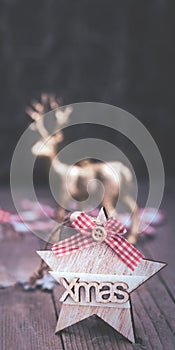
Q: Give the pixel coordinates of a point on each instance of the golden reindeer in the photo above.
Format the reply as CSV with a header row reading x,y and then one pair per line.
x,y
115,177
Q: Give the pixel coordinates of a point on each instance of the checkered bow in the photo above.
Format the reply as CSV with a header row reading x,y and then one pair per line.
x,y
84,224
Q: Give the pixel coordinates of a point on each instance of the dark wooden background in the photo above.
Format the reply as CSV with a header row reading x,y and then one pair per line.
x,y
118,52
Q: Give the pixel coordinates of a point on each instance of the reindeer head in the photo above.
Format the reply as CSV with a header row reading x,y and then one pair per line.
x,y
47,144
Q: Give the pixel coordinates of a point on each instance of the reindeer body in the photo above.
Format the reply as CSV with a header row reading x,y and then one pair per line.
x,y
110,175
115,177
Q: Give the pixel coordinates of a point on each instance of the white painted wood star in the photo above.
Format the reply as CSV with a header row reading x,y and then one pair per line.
x,y
98,282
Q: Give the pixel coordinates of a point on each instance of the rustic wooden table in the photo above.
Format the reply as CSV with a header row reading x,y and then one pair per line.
x,y
28,319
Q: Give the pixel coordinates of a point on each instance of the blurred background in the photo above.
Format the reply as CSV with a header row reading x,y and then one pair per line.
x,y
119,52
116,52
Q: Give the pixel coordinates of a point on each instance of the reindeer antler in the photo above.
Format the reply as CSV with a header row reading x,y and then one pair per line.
x,y
39,109
47,103
62,117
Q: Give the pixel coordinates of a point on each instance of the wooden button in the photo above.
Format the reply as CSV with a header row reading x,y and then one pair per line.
x,y
99,233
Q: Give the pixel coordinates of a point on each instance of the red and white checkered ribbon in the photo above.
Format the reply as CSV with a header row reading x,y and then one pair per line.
x,y
84,225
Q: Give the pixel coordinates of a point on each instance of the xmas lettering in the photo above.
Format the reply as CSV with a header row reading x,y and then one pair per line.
x,y
105,292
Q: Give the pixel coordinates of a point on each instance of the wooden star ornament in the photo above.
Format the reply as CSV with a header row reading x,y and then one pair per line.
x,y
97,281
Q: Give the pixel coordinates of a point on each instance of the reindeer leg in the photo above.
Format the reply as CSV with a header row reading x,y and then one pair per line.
x,y
110,208
60,214
130,202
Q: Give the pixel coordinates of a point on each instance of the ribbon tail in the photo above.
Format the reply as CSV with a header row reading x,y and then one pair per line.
x,y
116,226
72,245
125,251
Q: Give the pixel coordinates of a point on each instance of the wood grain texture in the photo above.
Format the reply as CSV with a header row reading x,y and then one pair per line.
x,y
91,293
90,333
163,245
117,318
151,326
153,305
103,261
131,282
27,321
18,258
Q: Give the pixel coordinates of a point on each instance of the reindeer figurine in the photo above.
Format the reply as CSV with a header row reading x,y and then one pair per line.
x,y
80,174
